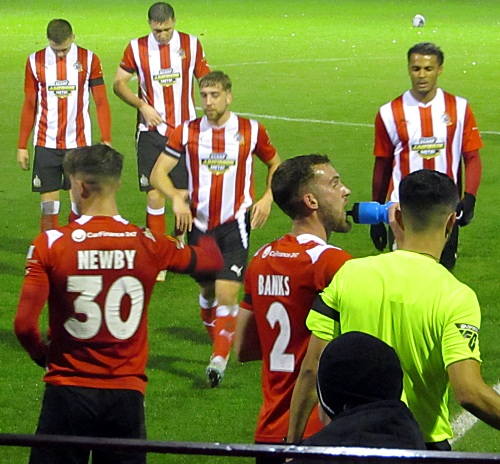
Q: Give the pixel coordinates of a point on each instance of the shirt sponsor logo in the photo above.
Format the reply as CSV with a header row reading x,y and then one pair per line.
x,y
79,235
268,251
166,77
469,332
428,147
62,89
218,163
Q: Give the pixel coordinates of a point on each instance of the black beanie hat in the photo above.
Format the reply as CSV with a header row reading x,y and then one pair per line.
x,y
357,368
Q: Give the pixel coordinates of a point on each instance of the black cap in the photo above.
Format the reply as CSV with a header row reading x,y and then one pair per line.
x,y
357,368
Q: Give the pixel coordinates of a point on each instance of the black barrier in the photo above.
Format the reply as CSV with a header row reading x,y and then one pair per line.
x,y
364,455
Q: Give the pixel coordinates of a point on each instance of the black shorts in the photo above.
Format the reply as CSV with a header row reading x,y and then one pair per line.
x,y
48,173
149,146
232,239
90,412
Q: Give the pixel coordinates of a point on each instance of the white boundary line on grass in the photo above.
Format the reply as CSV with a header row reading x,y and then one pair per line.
x,y
465,421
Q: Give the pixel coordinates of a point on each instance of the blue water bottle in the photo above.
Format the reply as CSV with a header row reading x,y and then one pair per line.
x,y
370,212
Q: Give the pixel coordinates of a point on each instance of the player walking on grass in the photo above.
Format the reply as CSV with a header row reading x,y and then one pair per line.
x,y
57,86
282,281
411,302
219,149
426,128
97,274
166,63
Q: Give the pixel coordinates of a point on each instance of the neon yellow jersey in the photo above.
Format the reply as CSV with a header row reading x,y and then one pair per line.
x,y
420,309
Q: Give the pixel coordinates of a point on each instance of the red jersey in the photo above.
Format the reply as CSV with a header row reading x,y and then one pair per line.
x,y
166,77
281,283
101,272
425,136
220,166
61,89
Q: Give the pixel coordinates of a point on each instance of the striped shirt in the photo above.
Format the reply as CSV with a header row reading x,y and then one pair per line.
x,y
220,166
425,136
166,74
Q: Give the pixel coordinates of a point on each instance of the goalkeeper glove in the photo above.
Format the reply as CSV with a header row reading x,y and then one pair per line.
x,y
378,234
465,209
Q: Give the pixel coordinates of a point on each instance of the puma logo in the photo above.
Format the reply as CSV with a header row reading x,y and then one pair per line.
x,y
237,270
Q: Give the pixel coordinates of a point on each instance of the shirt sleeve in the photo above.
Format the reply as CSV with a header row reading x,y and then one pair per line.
x,y
264,149
461,331
128,62
175,146
28,112
472,137
383,145
201,66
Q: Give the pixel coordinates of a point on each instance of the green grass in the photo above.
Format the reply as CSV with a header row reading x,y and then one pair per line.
x,y
334,62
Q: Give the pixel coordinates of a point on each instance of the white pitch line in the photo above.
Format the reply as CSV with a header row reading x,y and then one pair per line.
x,y
465,421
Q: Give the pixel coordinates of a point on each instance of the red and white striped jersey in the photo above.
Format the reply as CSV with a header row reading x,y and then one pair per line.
x,y
220,166
425,136
281,282
166,76
62,86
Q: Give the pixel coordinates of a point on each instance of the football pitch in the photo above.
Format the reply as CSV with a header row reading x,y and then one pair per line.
x,y
314,73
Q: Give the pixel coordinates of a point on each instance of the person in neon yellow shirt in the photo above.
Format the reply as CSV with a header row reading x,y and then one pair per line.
x,y
411,302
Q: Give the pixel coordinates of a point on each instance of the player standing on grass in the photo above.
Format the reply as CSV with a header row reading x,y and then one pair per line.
x,y
219,150
426,128
411,302
166,62
282,281
97,274
57,86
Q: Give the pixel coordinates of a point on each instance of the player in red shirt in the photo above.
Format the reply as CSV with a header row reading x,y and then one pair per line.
x,y
219,149
97,274
282,281
426,128
166,63
57,87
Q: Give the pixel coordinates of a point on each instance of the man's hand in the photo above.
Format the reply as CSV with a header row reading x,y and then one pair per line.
x,y
182,211
23,158
151,116
378,234
465,209
260,212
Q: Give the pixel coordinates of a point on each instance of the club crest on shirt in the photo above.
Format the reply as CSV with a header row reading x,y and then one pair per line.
x,y
446,119
78,66
239,138
181,53
62,89
218,163
469,332
166,77
427,147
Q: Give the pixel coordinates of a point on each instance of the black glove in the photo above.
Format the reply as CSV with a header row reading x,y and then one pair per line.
x,y
378,234
42,362
465,209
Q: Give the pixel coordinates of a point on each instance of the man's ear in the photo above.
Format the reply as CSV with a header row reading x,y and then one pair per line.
x,y
398,216
450,223
310,201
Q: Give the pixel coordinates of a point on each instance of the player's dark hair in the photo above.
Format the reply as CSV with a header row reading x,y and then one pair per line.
x,y
426,48
160,12
216,77
427,195
96,164
59,30
290,179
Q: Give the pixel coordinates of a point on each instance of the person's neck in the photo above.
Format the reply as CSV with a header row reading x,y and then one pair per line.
x,y
424,97
430,245
99,207
308,226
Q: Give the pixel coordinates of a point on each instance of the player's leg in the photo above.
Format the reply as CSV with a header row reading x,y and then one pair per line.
x,y
449,254
47,179
149,146
121,416
64,412
208,306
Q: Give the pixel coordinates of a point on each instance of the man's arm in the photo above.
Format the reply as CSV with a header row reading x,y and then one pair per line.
x,y
472,393
262,208
246,342
28,114
160,180
304,396
122,90
103,112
